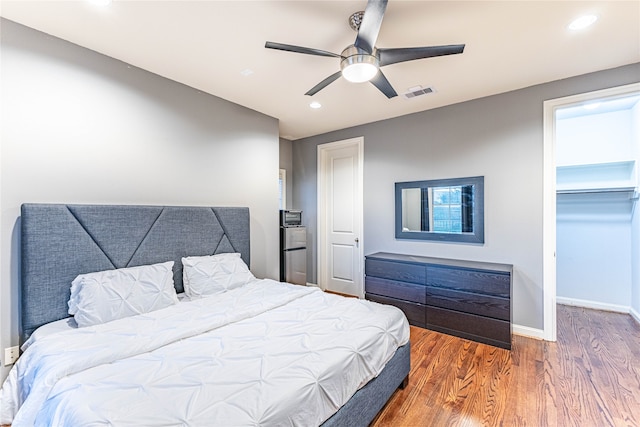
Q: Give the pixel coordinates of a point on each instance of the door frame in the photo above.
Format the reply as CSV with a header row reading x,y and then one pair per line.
x,y
549,331
282,177
322,256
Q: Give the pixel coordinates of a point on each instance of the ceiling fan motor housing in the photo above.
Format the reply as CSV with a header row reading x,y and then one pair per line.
x,y
358,65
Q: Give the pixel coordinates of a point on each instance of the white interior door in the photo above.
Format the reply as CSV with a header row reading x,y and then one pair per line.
x,y
340,174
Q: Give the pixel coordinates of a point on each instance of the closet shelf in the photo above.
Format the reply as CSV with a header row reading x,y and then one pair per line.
x,y
610,196
610,177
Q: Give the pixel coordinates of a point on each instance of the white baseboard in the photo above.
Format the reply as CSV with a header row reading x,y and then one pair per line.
x,y
593,304
634,314
527,331
313,284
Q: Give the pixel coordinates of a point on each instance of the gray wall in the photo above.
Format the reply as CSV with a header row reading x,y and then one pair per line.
x,y
594,251
499,137
79,127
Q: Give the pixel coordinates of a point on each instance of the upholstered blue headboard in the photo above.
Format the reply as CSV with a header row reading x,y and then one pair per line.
x,y
60,242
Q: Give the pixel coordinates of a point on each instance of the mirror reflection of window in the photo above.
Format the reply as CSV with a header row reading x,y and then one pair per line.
x,y
446,210
438,209
452,209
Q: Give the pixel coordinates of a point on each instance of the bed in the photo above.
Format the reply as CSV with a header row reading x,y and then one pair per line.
x,y
259,352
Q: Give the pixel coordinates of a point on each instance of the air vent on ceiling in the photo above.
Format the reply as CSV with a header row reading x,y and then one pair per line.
x,y
418,91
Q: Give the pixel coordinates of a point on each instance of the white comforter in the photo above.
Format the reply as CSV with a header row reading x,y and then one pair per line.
x,y
267,353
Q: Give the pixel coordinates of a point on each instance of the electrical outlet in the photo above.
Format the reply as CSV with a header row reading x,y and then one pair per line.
x,y
11,355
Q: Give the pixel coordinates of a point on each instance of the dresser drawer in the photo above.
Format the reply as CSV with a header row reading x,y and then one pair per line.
x,y
483,305
415,312
393,288
484,282
478,328
399,271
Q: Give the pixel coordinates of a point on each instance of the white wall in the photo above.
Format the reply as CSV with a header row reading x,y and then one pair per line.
x,y
79,127
412,209
594,138
593,252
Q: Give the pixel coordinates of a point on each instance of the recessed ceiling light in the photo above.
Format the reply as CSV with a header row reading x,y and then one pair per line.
x,y
246,72
315,105
583,22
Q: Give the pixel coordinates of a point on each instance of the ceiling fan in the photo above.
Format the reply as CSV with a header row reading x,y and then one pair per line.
x,y
361,61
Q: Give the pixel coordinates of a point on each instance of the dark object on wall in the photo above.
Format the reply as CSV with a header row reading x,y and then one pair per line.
x,y
467,299
450,210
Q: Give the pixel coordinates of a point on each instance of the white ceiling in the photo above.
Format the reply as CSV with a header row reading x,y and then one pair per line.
x,y
207,44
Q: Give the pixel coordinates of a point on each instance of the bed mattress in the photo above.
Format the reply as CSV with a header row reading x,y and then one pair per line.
x,y
267,353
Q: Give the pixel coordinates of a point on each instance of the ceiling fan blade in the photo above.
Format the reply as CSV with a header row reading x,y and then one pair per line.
x,y
326,82
393,56
300,49
370,26
381,82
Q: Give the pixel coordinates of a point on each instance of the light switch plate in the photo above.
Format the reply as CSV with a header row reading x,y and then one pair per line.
x,y
11,355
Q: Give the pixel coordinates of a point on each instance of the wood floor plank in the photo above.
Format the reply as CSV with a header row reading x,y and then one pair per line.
x,y
590,377
546,405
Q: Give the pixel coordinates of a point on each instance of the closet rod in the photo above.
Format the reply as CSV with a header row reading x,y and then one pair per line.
x,y
597,190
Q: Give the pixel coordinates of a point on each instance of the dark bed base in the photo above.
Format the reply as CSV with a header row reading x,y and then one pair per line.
x,y
363,407
61,241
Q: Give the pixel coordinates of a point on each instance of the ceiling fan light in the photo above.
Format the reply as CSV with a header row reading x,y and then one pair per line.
x,y
359,72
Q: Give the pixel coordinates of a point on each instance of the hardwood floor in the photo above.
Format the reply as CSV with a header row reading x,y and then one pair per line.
x,y
589,378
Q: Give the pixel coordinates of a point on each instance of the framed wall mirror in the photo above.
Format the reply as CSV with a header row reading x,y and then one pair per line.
x,y
449,210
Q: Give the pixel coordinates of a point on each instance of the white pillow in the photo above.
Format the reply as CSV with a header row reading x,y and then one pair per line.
x,y
208,275
113,294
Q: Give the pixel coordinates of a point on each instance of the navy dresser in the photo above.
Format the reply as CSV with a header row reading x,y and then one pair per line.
x,y
468,299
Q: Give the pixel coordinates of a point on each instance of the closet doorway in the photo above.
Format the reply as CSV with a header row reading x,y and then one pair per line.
x,y
591,160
